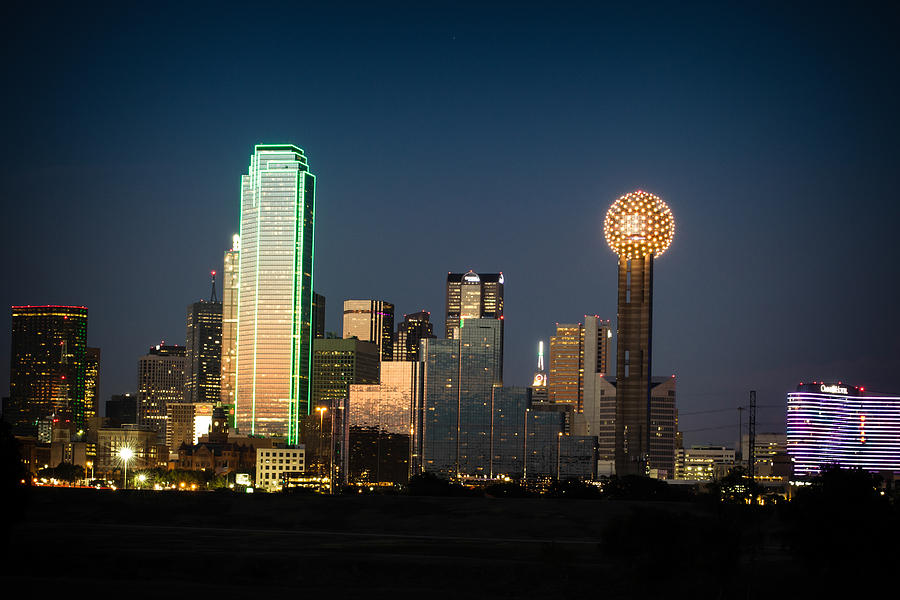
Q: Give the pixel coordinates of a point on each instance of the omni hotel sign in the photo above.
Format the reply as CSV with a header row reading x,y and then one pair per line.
x,y
833,389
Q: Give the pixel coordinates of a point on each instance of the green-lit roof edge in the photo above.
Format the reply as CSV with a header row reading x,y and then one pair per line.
x,y
287,147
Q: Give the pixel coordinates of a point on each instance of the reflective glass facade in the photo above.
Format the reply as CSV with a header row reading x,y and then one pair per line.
x,y
275,301
383,426
459,376
230,290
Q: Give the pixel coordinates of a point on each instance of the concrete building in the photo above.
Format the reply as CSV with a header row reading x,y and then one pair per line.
x,y
179,425
703,463
773,461
663,426
274,464
160,383
148,452
639,227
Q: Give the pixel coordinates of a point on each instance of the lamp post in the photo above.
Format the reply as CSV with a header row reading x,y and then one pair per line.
x,y
321,410
558,440
525,453
126,454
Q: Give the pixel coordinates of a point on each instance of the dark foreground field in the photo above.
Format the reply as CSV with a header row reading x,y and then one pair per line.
x,y
144,544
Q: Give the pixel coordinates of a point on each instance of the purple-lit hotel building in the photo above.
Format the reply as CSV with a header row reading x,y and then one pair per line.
x,y
843,425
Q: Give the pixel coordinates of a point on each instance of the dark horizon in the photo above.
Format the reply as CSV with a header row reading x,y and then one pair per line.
x,y
491,138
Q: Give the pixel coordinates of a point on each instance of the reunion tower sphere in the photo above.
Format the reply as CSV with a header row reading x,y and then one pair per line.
x,y
638,224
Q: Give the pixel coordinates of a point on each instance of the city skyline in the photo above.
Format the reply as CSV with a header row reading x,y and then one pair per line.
x,y
764,151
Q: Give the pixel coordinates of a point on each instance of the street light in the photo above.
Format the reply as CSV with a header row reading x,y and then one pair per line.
x,y
558,440
126,454
321,410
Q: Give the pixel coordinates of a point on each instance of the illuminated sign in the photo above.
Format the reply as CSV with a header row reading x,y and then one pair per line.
x,y
540,380
832,389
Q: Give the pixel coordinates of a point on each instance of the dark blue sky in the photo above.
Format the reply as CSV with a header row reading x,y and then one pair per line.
x,y
450,136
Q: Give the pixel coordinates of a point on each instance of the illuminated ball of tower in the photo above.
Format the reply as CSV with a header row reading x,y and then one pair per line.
x,y
638,224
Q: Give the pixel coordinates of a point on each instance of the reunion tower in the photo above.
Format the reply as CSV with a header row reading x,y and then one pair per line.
x,y
638,227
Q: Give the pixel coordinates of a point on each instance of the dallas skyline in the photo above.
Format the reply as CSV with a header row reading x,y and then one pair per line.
x,y
490,139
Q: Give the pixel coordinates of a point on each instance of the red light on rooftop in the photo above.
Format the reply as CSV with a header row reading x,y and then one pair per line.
x,y
213,273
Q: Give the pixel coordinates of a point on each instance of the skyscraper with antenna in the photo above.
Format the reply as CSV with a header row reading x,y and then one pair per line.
x,y
203,372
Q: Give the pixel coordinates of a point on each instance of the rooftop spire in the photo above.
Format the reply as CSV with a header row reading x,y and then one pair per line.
x,y
212,295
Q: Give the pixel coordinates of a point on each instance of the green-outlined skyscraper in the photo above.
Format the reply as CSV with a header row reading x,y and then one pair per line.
x,y
278,212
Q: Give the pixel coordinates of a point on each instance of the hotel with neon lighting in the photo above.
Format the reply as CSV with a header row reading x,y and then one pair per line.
x,y
835,424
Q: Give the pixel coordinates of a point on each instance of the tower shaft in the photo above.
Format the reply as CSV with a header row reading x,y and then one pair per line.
x,y
633,343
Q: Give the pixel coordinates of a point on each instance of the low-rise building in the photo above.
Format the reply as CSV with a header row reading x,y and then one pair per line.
x,y
274,464
703,463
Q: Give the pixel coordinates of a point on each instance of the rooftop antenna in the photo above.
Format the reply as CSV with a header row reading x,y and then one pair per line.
x,y
541,355
212,296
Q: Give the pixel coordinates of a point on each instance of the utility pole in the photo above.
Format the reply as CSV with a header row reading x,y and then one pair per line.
x,y
751,431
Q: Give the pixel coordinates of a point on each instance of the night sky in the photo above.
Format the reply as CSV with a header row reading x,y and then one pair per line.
x,y
449,136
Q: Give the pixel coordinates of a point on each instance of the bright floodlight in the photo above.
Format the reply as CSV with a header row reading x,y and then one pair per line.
x,y
126,453
639,224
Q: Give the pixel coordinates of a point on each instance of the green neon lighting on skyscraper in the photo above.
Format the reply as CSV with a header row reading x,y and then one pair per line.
x,y
275,298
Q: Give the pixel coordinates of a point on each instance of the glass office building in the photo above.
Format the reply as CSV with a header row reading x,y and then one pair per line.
x,y
275,301
230,290
383,426
459,377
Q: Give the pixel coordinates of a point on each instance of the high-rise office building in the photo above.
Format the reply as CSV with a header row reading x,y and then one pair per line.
x,y
663,426
382,425
577,352
179,424
638,227
318,318
121,409
230,288
203,346
473,295
410,332
337,363
160,382
274,350
47,366
371,321
567,365
92,389
459,376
